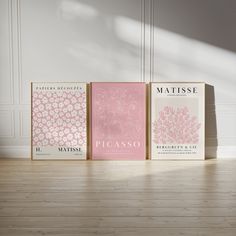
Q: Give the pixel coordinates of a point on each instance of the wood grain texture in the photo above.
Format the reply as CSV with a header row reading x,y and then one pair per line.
x,y
117,198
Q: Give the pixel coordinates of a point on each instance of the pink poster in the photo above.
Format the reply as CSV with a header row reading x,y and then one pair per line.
x,y
59,121
118,121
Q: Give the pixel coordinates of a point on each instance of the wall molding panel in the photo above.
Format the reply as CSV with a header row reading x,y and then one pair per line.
x,y
25,122
6,84
11,52
7,127
147,49
17,58
19,51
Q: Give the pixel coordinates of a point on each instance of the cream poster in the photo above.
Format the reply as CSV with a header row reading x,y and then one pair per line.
x,y
58,121
177,120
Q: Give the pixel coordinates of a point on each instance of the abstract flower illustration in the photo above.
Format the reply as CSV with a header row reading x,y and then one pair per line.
x,y
176,126
53,116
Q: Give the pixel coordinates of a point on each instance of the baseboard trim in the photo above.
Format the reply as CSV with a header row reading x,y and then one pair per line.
x,y
219,152
14,151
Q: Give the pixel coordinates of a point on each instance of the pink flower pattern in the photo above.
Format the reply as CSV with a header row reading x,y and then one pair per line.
x,y
59,118
176,126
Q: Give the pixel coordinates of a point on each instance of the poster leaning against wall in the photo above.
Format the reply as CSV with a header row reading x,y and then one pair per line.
x,y
177,120
58,120
118,121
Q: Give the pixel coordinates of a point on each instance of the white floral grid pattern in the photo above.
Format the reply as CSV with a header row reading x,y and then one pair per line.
x,y
59,118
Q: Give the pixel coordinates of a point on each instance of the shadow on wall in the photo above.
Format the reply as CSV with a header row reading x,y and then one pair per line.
x,y
210,125
209,21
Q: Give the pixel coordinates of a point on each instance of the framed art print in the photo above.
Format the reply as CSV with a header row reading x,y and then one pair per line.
x,y
118,121
177,120
58,121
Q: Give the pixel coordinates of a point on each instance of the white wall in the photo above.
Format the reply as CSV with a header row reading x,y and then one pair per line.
x,y
113,40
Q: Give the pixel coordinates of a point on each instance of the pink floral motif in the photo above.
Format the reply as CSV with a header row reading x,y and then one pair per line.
x,y
176,126
53,114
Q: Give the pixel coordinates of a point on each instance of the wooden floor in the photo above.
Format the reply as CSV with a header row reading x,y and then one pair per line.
x,y
65,198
